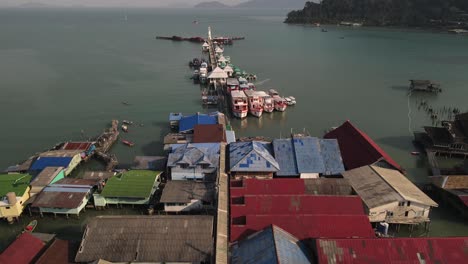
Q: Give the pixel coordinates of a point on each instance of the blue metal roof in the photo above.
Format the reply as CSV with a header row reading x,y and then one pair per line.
x,y
271,245
251,156
175,116
43,162
187,123
307,155
194,155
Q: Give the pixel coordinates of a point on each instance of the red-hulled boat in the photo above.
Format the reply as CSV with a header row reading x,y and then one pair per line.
x,y
128,143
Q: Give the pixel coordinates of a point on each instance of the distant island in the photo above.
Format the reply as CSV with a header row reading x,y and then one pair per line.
x,y
406,13
211,4
278,4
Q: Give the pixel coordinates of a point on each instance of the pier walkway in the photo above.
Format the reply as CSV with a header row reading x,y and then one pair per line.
x,y
222,223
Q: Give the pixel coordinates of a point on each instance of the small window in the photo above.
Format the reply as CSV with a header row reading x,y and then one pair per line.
x,y
406,213
401,204
409,203
8,207
389,213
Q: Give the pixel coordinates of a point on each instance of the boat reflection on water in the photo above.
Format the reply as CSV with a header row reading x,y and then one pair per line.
x,y
243,123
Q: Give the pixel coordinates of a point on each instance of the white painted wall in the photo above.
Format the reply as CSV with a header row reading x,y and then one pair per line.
x,y
415,210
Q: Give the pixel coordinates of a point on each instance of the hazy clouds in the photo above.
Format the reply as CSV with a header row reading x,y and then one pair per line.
x,y
110,3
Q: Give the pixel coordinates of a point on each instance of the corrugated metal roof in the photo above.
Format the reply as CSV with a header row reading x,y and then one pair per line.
x,y
194,155
438,250
451,181
77,181
307,155
251,156
403,186
23,250
162,238
209,134
43,162
61,197
131,184
278,186
373,190
57,253
185,191
307,226
270,245
357,148
188,123
60,153
77,146
230,136
46,176
297,205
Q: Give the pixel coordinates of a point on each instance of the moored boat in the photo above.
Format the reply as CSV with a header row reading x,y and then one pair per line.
x,y
239,104
273,92
125,128
268,105
255,103
128,143
127,122
232,84
279,103
205,47
251,86
31,226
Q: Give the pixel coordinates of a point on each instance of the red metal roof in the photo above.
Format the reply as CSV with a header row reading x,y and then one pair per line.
x,y
77,146
274,186
306,226
209,134
464,199
57,253
23,250
439,250
357,148
297,205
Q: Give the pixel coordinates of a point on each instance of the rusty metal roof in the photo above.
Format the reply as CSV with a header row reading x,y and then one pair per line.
x,y
209,134
59,252
46,176
185,191
62,196
23,250
77,146
162,238
442,250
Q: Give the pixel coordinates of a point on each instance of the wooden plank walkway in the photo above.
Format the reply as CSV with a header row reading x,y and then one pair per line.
x,y
431,157
222,223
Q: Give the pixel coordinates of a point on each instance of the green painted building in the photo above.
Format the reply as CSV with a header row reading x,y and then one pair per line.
x,y
131,187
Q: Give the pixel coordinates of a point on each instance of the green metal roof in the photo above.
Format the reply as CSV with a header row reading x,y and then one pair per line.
x,y
17,183
131,184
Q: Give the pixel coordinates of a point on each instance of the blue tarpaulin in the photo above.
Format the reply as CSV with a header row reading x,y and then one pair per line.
x,y
187,123
43,162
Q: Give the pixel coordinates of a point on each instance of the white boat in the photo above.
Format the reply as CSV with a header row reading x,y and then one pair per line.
x,y
268,105
255,103
251,86
273,92
203,75
232,84
292,100
280,104
243,80
239,104
288,101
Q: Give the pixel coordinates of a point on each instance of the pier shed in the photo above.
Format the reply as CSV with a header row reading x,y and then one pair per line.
x,y
252,159
185,196
270,245
188,123
218,75
14,192
24,250
357,148
389,196
148,239
48,175
392,250
132,187
307,157
68,197
228,70
197,161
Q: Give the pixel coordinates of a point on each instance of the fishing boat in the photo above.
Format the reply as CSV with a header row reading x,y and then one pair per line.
x,y
324,30
244,87
293,99
273,92
127,122
125,103
203,75
251,86
255,103
196,74
128,143
239,104
290,100
268,105
279,103
124,128
205,47
243,80
232,84
415,153
31,226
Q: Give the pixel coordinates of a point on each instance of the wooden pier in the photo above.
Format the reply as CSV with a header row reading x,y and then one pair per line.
x,y
103,144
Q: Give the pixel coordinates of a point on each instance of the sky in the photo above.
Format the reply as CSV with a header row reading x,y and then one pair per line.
x,y
110,3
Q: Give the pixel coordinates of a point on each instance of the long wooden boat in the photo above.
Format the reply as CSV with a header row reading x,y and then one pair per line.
x,y
31,226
